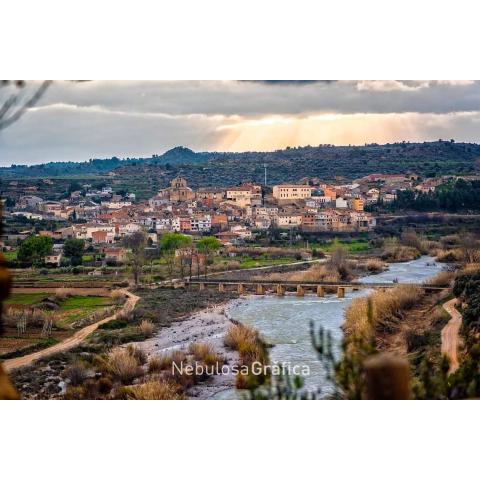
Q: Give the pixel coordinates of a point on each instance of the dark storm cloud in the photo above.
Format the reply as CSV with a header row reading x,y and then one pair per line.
x,y
81,120
267,98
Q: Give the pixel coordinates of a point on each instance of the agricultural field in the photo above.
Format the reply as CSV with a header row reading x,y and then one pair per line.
x,y
249,262
36,320
357,245
10,255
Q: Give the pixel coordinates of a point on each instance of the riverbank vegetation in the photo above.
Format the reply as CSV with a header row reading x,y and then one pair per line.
x,y
365,316
251,349
408,322
104,358
125,372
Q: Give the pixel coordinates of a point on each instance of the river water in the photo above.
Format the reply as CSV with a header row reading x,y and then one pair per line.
x,y
284,322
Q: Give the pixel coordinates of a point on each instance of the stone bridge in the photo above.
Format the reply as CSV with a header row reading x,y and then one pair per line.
x,y
280,287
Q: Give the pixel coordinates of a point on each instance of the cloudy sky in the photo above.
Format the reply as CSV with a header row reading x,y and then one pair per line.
x,y
98,119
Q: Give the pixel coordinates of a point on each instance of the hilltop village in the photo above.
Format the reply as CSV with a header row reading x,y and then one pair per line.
x,y
235,215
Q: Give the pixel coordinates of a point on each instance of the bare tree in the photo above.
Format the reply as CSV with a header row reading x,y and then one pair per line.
x,y
136,258
470,247
19,99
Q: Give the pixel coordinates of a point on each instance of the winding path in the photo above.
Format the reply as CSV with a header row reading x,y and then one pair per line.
x,y
450,339
72,341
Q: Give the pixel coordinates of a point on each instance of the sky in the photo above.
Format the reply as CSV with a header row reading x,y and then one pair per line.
x,y
76,121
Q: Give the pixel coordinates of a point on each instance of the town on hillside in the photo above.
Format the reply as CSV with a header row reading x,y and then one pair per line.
x,y
235,215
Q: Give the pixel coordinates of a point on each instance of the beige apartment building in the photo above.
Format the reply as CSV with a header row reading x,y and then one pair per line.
x,y
245,195
291,192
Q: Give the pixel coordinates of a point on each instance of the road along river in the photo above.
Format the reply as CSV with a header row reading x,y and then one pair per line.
x,y
284,322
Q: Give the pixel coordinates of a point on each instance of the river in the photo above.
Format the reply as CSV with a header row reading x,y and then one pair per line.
x,y
284,322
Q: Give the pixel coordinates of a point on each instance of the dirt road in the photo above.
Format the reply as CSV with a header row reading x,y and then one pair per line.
x,y
450,339
69,342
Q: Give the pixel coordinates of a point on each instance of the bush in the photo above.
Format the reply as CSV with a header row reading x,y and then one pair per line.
x,y
374,265
203,352
365,315
104,385
137,353
156,390
251,349
439,316
155,364
400,253
63,293
125,317
115,324
122,365
442,279
416,340
317,253
163,362
74,393
76,374
316,273
239,334
37,317
117,296
409,238
448,256
146,328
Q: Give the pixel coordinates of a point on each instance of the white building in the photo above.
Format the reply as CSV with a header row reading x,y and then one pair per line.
x,y
201,223
285,220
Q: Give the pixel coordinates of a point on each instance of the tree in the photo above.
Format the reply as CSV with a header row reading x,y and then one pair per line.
x,y
34,249
136,258
339,262
74,187
470,247
169,243
208,246
73,249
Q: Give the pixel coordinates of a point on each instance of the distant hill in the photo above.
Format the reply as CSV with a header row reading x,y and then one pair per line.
x,y
291,164
175,156
179,155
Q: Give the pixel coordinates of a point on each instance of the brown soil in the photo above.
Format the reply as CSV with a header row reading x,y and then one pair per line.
x,y
450,337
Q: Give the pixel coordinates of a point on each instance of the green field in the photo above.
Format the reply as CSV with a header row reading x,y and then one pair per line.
x,y
78,301
264,262
78,307
359,245
26,298
10,256
71,309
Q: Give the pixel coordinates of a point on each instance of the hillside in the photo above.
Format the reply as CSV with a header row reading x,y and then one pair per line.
x,y
325,162
175,156
146,175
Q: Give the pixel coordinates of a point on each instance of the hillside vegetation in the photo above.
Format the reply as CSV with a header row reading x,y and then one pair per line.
x,y
290,164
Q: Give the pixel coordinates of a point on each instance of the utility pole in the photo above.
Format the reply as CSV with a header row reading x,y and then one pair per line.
x,y
265,167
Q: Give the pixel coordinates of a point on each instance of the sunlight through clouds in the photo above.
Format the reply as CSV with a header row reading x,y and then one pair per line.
x,y
273,133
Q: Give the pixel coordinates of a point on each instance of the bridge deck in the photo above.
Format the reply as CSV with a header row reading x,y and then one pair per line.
x,y
227,281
